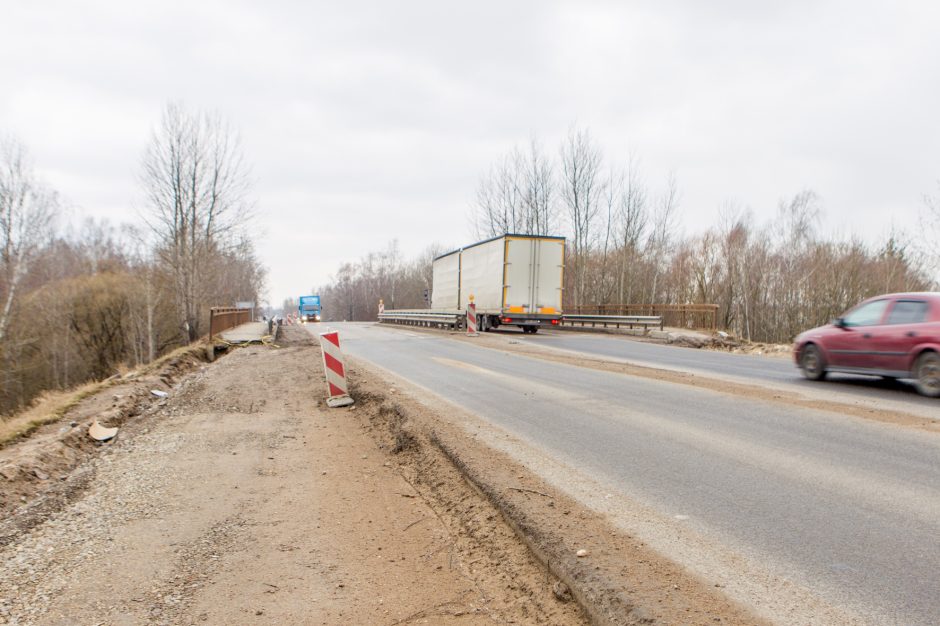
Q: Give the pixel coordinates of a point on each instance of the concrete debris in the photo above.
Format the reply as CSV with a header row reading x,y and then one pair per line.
x,y
158,393
101,433
581,553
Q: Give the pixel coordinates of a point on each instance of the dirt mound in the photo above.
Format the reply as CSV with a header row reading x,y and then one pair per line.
x,y
295,336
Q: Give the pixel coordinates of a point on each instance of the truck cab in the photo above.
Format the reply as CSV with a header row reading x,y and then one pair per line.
x,y
308,309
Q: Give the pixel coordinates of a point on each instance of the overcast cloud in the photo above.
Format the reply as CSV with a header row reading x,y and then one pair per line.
x,y
368,121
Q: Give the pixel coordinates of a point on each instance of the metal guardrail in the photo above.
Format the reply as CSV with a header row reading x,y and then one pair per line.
x,y
692,316
449,319
422,317
630,321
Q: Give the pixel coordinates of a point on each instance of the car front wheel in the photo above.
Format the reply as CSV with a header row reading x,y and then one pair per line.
x,y
812,363
928,374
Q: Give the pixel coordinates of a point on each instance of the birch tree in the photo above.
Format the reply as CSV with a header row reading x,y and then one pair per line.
x,y
538,192
930,233
499,198
27,211
197,185
662,232
581,191
517,195
632,224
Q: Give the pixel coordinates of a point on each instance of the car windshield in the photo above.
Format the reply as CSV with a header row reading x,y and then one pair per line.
x,y
867,314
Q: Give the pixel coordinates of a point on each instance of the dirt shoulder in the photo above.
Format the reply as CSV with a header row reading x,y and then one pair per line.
x,y
42,470
719,341
241,498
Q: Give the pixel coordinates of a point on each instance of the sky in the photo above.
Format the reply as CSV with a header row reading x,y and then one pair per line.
x,y
365,122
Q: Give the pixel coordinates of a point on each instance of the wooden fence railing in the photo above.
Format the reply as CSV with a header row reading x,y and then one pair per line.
x,y
222,318
692,316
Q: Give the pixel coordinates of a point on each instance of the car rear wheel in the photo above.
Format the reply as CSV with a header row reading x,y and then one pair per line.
x,y
928,374
812,363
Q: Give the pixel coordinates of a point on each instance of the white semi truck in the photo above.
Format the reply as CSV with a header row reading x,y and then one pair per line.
x,y
515,280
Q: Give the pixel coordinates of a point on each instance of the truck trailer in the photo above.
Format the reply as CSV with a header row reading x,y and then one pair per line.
x,y
308,308
515,280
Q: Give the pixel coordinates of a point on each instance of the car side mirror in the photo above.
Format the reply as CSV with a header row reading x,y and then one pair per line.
x,y
839,322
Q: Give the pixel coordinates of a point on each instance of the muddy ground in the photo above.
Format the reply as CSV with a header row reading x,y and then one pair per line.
x,y
241,498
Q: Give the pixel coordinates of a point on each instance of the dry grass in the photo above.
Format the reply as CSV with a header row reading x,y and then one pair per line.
x,y
48,407
198,348
51,406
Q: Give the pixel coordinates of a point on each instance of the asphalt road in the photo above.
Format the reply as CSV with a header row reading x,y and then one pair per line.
x,y
845,508
745,367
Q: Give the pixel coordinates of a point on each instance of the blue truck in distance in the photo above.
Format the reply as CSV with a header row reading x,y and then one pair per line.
x,y
309,308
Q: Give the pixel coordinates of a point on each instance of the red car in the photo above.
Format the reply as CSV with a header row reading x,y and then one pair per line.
x,y
893,336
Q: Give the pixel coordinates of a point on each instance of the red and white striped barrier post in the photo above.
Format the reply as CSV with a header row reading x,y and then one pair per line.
x,y
381,308
472,318
335,367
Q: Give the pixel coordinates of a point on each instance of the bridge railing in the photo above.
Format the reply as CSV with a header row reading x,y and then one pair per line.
x,y
223,318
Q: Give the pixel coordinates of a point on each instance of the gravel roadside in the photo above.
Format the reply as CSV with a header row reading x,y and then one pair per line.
x,y
243,499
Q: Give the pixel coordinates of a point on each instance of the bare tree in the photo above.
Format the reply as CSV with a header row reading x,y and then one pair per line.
x,y
734,231
27,211
632,223
930,233
517,195
581,192
499,198
663,230
197,187
148,297
539,192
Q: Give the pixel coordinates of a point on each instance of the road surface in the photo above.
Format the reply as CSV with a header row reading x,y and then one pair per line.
x,y
749,368
785,505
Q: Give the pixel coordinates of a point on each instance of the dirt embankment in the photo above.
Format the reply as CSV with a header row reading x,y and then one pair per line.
x,y
41,473
241,498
